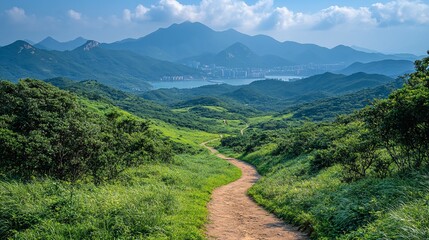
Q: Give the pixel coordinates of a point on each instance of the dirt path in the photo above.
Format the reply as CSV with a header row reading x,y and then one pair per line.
x,y
233,215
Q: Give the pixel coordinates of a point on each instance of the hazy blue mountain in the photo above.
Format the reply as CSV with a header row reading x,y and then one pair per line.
x,y
392,68
362,49
121,69
239,56
180,41
51,44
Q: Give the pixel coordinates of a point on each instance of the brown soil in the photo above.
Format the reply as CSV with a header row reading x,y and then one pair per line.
x,y
234,215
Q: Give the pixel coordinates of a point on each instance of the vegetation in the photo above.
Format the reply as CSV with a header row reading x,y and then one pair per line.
x,y
75,164
112,67
275,95
148,109
48,132
152,201
362,176
74,168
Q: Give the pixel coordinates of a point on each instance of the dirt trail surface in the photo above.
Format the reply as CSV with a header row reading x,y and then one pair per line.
x,y
233,215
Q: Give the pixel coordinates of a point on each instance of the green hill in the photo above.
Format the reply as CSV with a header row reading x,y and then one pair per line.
x,y
120,69
359,176
274,95
75,168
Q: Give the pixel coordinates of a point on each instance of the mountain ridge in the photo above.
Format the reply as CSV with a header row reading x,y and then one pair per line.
x,y
121,69
193,39
50,43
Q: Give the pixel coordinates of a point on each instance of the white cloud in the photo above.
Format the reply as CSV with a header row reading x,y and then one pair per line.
x,y
16,14
74,15
263,14
401,11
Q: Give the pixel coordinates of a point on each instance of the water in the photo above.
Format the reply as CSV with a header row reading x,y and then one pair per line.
x,y
199,83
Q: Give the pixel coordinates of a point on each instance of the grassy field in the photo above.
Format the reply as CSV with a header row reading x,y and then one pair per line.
x,y
266,118
154,201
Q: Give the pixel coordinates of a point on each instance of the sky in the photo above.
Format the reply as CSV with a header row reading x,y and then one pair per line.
x,y
392,26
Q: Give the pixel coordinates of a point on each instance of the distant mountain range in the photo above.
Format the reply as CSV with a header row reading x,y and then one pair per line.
x,y
129,64
391,68
120,69
51,44
186,40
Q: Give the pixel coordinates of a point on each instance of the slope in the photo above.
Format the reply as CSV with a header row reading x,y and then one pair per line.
x,y
51,44
180,41
239,56
124,70
392,68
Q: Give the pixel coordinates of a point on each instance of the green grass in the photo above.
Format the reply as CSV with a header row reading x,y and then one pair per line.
x,y
325,206
216,108
184,135
266,118
154,201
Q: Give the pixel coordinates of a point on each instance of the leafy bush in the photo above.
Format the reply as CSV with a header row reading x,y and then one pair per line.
x,y
48,132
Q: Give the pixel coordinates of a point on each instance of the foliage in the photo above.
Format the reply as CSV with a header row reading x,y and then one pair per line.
x,y
401,122
152,201
145,108
363,176
48,132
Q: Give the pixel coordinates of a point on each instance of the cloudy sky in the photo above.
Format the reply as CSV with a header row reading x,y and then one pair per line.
x,y
392,26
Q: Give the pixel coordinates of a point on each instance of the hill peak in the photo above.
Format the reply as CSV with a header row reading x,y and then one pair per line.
x,y
89,45
237,49
49,38
21,46
188,27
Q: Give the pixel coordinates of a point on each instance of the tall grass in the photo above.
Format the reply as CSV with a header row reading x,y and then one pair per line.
x,y
329,208
154,201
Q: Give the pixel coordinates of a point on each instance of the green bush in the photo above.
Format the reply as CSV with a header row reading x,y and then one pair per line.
x,y
45,131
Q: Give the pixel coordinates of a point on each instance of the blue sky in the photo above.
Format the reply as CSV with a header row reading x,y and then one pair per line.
x,y
386,26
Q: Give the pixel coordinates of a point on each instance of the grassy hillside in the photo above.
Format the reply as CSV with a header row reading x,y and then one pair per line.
x,y
362,176
149,109
151,195
152,201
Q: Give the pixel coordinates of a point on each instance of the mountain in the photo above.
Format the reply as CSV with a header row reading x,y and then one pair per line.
x,y
180,41
239,56
392,68
330,108
51,44
268,95
120,69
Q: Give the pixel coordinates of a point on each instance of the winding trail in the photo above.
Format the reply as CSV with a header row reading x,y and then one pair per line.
x,y
233,215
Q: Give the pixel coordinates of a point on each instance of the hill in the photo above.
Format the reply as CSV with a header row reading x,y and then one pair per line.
x,y
208,121
389,67
180,41
120,69
51,44
332,107
239,56
96,171
268,95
